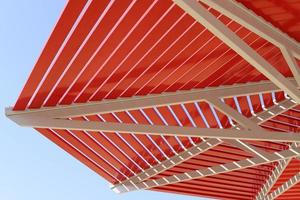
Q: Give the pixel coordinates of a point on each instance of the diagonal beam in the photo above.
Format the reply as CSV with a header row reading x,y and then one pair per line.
x,y
256,24
210,171
292,63
284,187
172,161
40,122
242,120
249,148
137,102
276,173
205,145
203,16
229,111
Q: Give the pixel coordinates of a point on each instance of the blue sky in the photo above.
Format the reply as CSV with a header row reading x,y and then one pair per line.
x,y
31,167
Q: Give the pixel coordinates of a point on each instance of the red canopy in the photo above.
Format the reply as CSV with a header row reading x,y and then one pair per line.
x,y
117,51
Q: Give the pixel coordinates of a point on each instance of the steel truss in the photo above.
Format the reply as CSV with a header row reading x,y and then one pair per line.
x,y
246,129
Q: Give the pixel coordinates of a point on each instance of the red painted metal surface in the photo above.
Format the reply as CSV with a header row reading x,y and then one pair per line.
x,y
283,14
109,49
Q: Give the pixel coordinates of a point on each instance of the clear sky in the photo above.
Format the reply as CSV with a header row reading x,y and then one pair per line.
x,y
31,167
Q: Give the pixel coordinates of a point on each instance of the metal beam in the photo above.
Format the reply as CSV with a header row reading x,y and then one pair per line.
x,y
292,63
229,111
210,171
276,173
206,145
203,16
131,103
247,18
172,161
41,122
284,187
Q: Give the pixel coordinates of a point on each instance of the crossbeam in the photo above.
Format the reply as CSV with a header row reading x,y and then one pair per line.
x,y
40,122
204,17
210,171
137,102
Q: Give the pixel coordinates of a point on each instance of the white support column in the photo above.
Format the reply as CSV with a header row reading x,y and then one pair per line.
x,y
254,23
284,187
276,173
210,171
203,16
206,145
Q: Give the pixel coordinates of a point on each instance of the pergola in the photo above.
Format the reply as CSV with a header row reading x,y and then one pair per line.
x,y
190,97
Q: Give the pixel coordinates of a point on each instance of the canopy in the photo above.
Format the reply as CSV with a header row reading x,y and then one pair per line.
x,y
191,97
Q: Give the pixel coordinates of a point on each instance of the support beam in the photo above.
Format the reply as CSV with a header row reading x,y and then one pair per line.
x,y
205,146
254,23
173,161
229,111
284,187
203,16
210,171
291,61
137,102
276,173
40,122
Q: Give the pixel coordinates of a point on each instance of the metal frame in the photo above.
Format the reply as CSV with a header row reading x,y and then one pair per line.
x,y
243,16
247,128
34,118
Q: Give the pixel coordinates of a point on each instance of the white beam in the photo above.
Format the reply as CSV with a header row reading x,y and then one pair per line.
x,y
210,171
173,161
284,187
203,16
137,102
229,111
40,122
247,18
292,63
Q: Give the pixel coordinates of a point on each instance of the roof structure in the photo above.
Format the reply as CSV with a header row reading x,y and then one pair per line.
x,y
191,97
